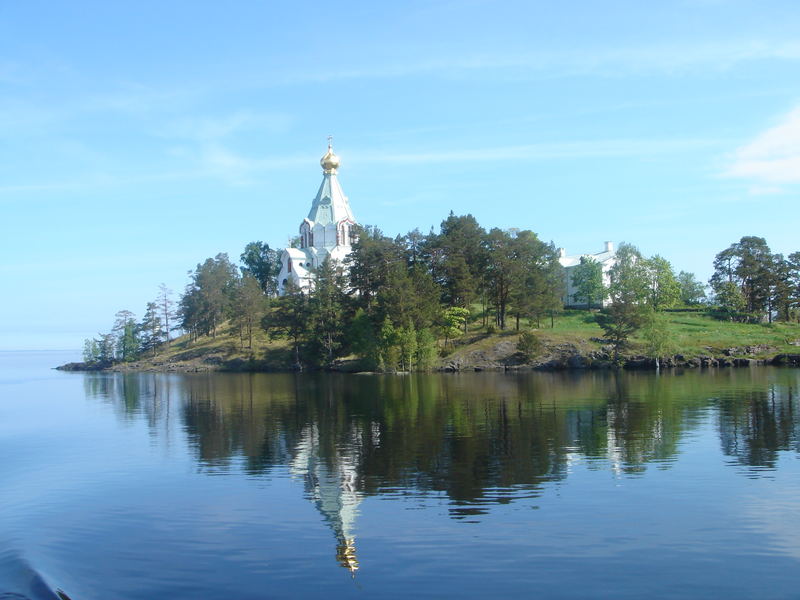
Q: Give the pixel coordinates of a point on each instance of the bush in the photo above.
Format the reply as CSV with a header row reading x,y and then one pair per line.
x,y
529,345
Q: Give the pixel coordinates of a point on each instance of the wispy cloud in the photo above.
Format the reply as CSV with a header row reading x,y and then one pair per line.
x,y
661,58
773,156
214,128
543,151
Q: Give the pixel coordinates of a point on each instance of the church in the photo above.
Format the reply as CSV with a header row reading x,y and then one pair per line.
x,y
327,231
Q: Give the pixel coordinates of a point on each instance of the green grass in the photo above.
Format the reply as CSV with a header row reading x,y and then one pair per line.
x,y
693,334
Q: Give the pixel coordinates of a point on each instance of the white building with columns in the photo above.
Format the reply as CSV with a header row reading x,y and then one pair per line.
x,y
327,231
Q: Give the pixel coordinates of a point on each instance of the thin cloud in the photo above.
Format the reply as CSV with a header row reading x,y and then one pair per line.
x,y
209,129
615,62
544,151
773,156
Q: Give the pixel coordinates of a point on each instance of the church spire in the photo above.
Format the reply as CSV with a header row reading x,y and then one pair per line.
x,y
329,162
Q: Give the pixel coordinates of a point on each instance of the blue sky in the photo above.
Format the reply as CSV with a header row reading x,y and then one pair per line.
x,y
138,139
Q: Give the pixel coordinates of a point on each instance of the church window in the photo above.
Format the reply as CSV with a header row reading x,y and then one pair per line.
x,y
289,267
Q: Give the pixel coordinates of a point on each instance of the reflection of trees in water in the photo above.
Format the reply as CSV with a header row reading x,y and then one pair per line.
x,y
479,439
135,394
755,426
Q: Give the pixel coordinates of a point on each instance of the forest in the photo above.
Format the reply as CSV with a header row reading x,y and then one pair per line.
x,y
398,303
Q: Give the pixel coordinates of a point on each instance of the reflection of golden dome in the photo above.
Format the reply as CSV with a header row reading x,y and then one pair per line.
x,y
346,555
329,162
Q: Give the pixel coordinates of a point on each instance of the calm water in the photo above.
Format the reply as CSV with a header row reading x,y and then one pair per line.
x,y
279,486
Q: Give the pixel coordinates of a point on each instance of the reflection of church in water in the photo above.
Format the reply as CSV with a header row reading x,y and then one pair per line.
x,y
330,481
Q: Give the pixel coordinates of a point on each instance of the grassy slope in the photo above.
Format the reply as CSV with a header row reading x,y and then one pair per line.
x,y
224,351
693,335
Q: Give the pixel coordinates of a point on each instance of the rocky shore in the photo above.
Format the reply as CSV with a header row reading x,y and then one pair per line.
x,y
502,356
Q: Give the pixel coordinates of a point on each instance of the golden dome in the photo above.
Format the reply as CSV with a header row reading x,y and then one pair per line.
x,y
329,162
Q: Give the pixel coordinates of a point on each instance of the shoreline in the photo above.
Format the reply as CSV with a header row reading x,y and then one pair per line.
x,y
571,362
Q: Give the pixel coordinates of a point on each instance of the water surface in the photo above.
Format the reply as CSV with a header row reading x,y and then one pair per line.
x,y
565,485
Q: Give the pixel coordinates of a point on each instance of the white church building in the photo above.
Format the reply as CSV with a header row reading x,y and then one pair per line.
x,y
328,231
607,258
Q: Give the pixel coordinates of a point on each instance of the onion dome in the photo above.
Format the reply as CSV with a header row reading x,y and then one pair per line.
x,y
329,162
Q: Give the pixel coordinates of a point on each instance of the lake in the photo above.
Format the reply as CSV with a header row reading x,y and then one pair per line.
x,y
251,486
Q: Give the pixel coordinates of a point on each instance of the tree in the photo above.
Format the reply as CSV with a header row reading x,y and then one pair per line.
x,y
263,263
629,280
407,346
289,318
729,301
209,295
166,310
620,320
326,313
587,279
780,298
452,320
457,259
363,340
629,290
388,350
747,264
692,292
125,331
91,351
105,348
151,333
664,289
248,307
426,350
659,339
529,345
500,272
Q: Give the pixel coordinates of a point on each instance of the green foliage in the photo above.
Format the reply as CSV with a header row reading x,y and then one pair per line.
x,y
248,307
407,347
729,302
620,321
262,263
630,281
289,318
363,341
692,292
663,288
207,300
91,351
587,278
529,345
426,350
748,265
150,332
659,339
127,336
325,325
388,347
452,321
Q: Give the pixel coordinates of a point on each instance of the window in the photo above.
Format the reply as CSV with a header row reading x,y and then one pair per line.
x,y
289,266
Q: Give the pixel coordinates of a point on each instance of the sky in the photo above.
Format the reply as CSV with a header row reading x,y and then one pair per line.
x,y
138,139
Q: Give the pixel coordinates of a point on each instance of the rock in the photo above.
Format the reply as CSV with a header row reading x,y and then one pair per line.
x,y
577,361
786,360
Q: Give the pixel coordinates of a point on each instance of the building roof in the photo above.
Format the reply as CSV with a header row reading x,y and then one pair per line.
x,y
330,204
601,257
